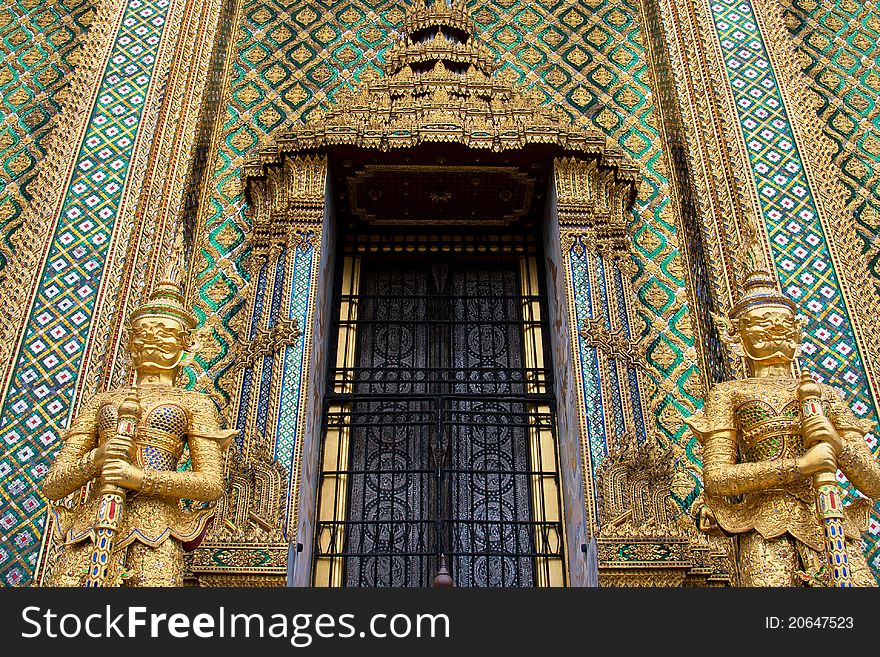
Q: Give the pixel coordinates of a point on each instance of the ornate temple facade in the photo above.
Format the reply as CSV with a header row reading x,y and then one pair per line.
x,y
455,266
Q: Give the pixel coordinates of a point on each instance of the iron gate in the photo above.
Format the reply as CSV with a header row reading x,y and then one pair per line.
x,y
439,428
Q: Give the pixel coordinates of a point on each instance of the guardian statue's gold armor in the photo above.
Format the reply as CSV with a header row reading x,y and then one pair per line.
x,y
135,482
761,455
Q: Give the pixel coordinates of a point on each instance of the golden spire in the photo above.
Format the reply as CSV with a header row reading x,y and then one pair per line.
x,y
167,298
759,285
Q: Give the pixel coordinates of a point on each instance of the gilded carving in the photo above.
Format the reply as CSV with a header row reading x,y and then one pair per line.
x,y
613,342
246,536
425,97
265,342
287,201
644,539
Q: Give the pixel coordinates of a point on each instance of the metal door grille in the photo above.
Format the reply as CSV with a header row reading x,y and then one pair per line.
x,y
439,430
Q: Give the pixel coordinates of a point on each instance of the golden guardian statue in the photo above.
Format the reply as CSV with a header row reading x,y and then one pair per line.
x,y
772,444
131,525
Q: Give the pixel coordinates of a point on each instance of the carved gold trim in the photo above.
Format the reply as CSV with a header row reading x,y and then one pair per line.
x,y
114,297
644,539
204,254
613,343
719,201
680,184
264,342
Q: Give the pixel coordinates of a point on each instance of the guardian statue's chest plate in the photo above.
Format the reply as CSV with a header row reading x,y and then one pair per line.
x,y
160,437
767,434
767,418
161,433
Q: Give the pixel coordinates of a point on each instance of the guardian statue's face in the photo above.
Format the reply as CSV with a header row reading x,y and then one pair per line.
x,y
157,343
770,334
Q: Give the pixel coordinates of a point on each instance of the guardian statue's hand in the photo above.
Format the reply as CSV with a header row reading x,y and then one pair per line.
x,y
818,428
123,474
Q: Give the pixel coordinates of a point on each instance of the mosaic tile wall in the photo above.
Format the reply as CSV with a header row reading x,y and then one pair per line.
x,y
798,242
582,284
39,44
840,45
588,56
37,404
716,362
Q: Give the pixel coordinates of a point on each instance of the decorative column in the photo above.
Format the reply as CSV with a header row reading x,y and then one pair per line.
x,y
591,206
607,378
280,376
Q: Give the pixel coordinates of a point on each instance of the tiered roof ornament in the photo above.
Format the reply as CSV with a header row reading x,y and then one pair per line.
x,y
440,33
451,13
441,84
